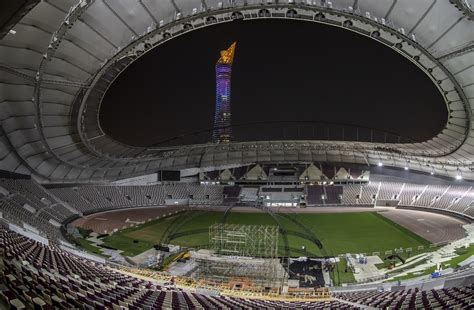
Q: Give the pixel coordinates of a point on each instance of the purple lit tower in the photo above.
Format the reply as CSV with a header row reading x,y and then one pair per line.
x,y
222,116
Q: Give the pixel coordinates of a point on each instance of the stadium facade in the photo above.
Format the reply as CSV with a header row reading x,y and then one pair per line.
x,y
222,118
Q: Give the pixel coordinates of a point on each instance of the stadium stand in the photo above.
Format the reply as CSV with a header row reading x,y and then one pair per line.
x,y
410,193
333,194
390,191
351,194
369,193
28,202
231,193
249,194
93,198
314,195
43,277
451,298
23,201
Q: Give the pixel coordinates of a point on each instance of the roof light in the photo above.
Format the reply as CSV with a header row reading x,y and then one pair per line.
x,y
12,31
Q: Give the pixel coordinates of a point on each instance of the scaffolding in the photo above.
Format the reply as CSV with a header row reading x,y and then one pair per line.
x,y
244,240
245,255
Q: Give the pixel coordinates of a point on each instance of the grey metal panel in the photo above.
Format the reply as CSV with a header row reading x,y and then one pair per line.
x,y
81,56
133,13
180,161
60,172
74,174
15,109
161,10
29,36
19,57
55,120
436,21
186,7
291,155
103,20
10,162
378,9
195,160
75,70
60,140
10,92
20,137
90,40
50,108
18,123
456,38
113,173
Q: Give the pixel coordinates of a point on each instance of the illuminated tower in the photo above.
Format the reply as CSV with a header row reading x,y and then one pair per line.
x,y
222,116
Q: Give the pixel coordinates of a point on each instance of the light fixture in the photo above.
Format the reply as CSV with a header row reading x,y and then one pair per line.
x,y
432,172
406,168
12,31
458,177
380,164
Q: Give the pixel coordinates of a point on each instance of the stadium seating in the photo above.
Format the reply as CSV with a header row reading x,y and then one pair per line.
x,y
23,201
28,202
350,194
333,194
95,198
452,298
249,194
231,193
450,198
45,277
41,277
314,195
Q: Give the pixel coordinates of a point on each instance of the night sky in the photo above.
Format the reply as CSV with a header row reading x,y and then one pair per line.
x,y
283,70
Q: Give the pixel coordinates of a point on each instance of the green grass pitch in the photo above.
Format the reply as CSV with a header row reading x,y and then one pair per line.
x,y
340,233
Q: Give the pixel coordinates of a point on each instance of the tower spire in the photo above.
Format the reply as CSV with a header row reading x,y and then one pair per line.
x,y
227,56
222,132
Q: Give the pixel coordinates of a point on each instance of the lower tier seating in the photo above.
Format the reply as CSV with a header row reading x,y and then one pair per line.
x,y
42,277
451,298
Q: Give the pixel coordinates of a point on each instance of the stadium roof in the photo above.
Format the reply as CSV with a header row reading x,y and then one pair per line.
x,y
61,57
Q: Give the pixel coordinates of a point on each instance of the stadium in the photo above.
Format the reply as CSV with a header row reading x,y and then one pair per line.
x,y
257,214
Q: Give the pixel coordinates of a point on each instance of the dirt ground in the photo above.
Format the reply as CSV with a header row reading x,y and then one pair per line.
x,y
434,227
108,221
